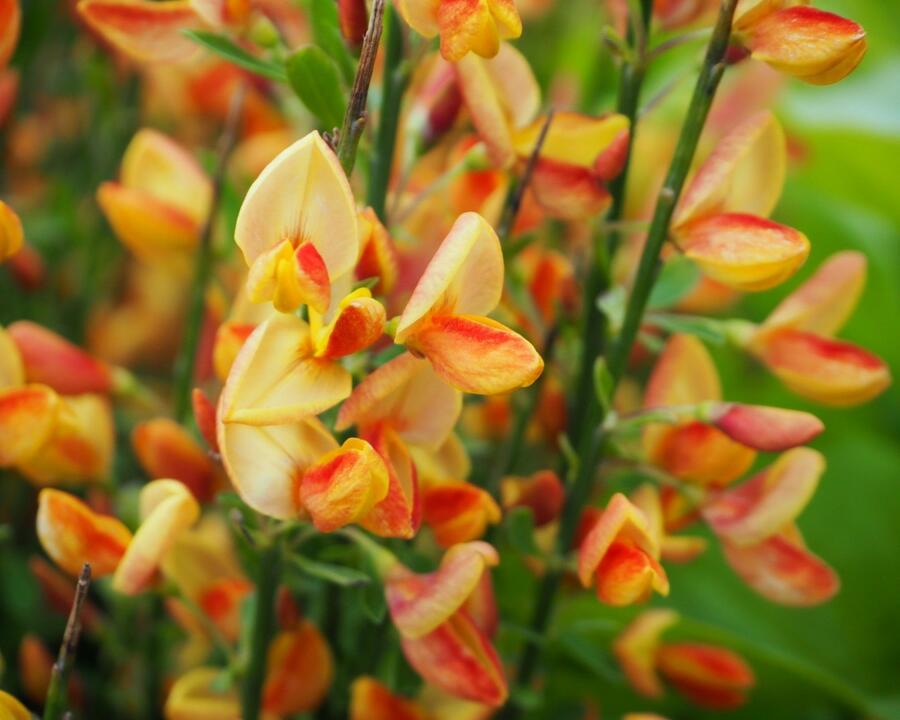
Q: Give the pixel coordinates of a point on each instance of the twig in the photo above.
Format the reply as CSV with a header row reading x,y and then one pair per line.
x,y
59,680
184,366
355,117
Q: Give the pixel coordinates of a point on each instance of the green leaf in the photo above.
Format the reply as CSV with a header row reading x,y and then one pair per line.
x,y
317,82
520,530
708,329
327,34
225,48
678,277
337,574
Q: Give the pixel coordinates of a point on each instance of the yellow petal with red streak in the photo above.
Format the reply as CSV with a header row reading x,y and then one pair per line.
x,y
710,676
370,700
476,26
572,138
568,192
377,255
399,513
12,370
458,512
745,252
628,575
766,428
165,449
27,419
636,646
300,654
11,235
698,453
72,534
810,44
421,15
476,354
684,374
359,322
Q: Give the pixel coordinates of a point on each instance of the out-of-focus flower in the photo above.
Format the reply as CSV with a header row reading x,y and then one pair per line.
x,y
11,234
165,449
720,222
370,700
445,321
620,555
755,522
377,254
812,45
464,26
672,548
542,493
35,668
13,708
795,342
10,24
458,511
72,534
299,671
161,200
444,636
708,675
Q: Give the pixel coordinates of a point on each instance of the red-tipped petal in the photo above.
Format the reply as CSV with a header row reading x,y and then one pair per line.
x,y
710,676
766,428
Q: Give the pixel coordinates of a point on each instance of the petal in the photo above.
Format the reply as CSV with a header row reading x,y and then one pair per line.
x,y
378,255
72,534
406,394
158,166
11,235
289,277
572,138
477,354
684,374
459,659
165,449
628,575
744,174
450,461
370,700
344,485
744,252
145,31
476,26
12,708
54,361
398,514
195,696
27,419
568,192
699,453
299,654
464,276
12,370
636,646
167,509
784,571
831,372
458,512
205,417
710,676
318,209
768,502
230,338
766,428
359,322
421,15
10,24
542,493
823,303
275,379
810,44
420,603
501,95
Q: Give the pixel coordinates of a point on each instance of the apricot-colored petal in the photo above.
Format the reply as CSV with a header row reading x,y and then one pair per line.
x,y
399,512
770,501
421,15
822,304
568,192
744,174
766,428
52,360
12,236
465,276
476,26
370,700
698,453
810,44
275,379
27,419
194,696
449,461
501,95
145,31
151,229
165,449
420,603
458,512
710,676
744,252
318,208
72,534
299,672
344,485
158,166
476,354
542,493
359,322
782,570
636,646
572,138
167,509
684,374
828,371
407,394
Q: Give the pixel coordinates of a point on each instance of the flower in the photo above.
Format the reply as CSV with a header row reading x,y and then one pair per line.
x,y
11,235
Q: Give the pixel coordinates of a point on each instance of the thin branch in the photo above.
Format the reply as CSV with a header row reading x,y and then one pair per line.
x,y
54,707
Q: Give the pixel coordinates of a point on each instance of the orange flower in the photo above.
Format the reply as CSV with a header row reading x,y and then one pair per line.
x,y
464,25
11,235
158,206
165,449
444,319
72,534
720,222
370,700
458,511
442,638
795,342
542,493
813,45
708,675
300,670
620,554
35,668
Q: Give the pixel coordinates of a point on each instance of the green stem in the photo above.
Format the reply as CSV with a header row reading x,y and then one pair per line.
x,y
203,265
393,85
261,630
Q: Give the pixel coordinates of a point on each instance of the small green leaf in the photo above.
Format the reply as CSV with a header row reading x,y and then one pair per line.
x,y
327,34
225,48
678,277
337,574
708,329
520,530
603,384
317,82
